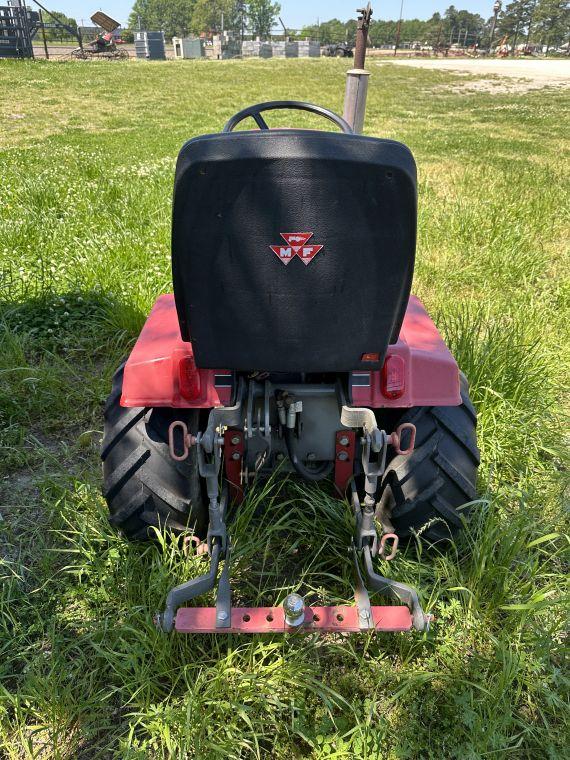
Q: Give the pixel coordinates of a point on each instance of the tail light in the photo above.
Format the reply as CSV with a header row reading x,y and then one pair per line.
x,y
189,379
393,379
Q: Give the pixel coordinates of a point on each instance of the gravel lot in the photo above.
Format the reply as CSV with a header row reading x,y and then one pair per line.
x,y
532,74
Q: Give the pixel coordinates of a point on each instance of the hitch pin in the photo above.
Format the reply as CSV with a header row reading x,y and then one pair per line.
x,y
187,440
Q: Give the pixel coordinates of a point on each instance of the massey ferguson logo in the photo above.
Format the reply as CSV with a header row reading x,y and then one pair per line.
x,y
296,246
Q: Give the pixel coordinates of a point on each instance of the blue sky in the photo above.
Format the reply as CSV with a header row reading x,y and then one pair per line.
x,y
295,13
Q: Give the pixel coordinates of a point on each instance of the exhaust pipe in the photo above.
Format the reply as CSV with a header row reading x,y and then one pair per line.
x,y
357,77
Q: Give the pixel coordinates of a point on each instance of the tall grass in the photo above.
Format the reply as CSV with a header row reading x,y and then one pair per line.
x,y
84,250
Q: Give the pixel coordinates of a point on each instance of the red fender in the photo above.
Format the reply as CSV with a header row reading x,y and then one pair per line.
x,y
419,369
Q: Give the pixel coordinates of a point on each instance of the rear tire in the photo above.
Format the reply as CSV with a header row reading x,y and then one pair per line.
x,y
423,492
143,486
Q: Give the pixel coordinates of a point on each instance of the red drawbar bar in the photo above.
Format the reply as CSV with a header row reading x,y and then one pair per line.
x,y
272,620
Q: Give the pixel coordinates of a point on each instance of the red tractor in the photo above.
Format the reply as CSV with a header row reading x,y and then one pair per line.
x,y
291,341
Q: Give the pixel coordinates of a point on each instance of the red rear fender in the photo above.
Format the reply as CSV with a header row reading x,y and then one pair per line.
x,y
419,369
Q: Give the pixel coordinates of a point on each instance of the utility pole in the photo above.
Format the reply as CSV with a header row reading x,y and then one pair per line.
x,y
496,10
398,29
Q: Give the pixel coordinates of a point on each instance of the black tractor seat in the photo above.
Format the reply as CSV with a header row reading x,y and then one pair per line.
x,y
244,201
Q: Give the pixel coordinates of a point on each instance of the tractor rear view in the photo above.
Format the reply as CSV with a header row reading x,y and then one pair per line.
x,y
291,341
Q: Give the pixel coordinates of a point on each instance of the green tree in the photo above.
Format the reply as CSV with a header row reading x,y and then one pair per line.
x,y
552,22
514,21
454,26
462,26
262,15
173,17
60,33
212,15
332,31
382,32
433,32
350,31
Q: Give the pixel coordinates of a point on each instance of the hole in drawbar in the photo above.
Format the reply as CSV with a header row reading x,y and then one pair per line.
x,y
246,618
269,618
316,618
340,617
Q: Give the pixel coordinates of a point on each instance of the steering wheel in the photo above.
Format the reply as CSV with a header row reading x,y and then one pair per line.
x,y
295,105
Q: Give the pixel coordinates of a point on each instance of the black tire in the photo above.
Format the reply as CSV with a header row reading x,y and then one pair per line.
x,y
422,493
143,486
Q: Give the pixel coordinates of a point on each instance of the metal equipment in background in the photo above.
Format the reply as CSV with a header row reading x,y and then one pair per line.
x,y
150,45
105,22
357,77
188,47
104,46
19,26
338,50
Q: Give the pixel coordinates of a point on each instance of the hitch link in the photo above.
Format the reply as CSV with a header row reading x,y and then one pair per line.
x,y
395,438
382,548
188,440
367,543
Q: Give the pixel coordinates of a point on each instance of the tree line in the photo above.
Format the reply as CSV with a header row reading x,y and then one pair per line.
x,y
540,21
179,18
546,22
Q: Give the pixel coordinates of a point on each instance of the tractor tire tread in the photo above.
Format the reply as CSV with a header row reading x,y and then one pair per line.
x,y
426,492
124,471
120,429
143,486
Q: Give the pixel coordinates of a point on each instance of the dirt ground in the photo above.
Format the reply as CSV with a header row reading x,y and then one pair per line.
x,y
515,75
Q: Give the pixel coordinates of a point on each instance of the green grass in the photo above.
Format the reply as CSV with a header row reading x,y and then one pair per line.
x,y
87,154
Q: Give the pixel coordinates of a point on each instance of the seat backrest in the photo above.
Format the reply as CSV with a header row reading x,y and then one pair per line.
x,y
292,250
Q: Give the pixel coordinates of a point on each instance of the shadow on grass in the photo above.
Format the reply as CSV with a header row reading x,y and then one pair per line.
x,y
88,320
58,355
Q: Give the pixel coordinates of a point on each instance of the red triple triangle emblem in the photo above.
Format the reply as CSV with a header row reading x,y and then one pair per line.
x,y
296,246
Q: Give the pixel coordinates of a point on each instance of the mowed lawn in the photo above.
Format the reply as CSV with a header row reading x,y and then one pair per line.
x,y
87,153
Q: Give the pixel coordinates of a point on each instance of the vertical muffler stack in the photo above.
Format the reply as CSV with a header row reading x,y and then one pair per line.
x,y
357,77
